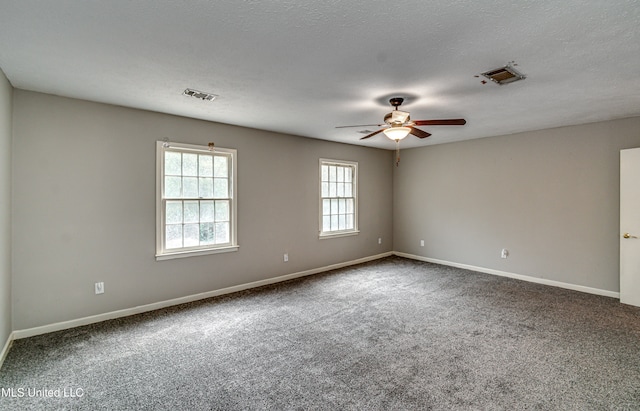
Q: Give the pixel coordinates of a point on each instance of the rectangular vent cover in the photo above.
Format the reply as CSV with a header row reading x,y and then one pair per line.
x,y
200,94
504,75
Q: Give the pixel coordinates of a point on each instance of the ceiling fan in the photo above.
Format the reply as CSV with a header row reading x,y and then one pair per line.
x,y
398,125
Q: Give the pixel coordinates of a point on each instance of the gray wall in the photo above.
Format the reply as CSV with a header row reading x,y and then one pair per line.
x,y
5,209
84,208
551,197
84,192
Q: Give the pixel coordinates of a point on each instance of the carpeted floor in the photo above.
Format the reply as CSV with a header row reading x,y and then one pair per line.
x,y
392,334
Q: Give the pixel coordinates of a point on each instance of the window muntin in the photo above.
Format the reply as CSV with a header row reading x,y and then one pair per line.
x,y
338,197
196,205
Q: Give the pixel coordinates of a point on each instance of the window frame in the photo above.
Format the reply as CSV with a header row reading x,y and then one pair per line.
x,y
162,253
338,233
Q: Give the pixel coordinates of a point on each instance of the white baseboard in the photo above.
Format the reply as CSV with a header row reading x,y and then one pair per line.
x,y
30,332
5,349
544,281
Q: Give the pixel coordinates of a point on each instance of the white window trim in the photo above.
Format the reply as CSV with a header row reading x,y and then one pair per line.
x,y
163,254
345,233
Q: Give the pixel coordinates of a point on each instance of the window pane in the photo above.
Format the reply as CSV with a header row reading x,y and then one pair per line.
x,y
334,222
340,192
349,222
173,212
189,164
348,190
220,166
191,235
172,187
342,206
220,188
348,171
206,212
222,233
326,223
325,173
332,173
326,207
191,212
205,187
332,190
342,222
325,189
189,187
340,174
350,205
205,166
173,236
334,206
222,211
172,163
206,234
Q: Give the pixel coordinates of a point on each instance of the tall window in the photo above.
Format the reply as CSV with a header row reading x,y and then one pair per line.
x,y
338,198
196,206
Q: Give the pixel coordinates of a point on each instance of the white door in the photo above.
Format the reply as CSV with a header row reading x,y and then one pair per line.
x,y
630,226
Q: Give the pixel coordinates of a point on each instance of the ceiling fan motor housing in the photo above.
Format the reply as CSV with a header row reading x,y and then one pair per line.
x,y
396,101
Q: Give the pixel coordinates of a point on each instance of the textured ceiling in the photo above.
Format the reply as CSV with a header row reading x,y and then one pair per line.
x,y
304,67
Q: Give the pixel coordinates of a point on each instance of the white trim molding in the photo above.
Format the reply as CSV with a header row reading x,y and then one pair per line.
x,y
522,277
30,332
5,349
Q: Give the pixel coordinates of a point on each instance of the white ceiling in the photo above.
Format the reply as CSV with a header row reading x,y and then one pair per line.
x,y
304,67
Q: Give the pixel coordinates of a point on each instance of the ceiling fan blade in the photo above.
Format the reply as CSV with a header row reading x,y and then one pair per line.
x,y
419,133
362,125
449,122
372,134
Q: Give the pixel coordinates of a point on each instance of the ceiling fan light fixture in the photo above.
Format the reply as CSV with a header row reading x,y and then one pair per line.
x,y
396,133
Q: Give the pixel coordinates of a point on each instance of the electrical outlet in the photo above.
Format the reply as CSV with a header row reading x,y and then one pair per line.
x,y
100,288
421,243
286,257
505,253
380,240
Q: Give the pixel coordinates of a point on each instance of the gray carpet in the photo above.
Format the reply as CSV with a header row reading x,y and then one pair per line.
x,y
391,334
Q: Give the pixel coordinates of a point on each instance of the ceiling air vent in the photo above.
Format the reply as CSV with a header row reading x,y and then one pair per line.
x,y
504,75
200,94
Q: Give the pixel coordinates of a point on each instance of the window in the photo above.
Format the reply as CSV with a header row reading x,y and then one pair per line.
x,y
196,205
338,198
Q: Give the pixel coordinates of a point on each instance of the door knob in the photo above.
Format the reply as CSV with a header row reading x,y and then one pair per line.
x,y
627,235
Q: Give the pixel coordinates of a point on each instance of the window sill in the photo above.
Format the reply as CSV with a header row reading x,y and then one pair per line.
x,y
326,236
183,254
